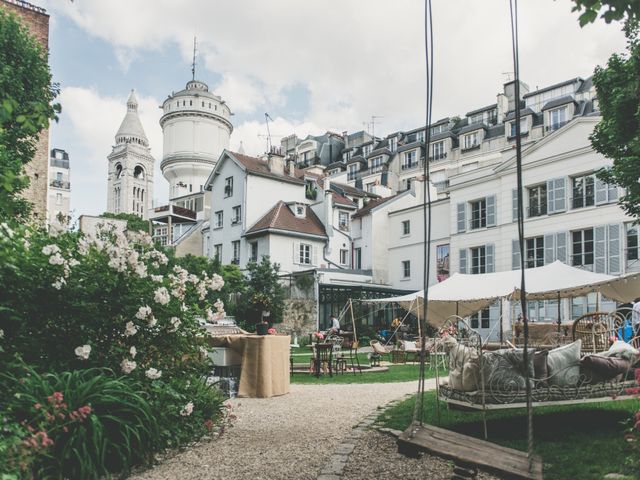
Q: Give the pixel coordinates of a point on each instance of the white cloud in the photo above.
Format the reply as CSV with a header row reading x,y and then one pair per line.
x,y
87,127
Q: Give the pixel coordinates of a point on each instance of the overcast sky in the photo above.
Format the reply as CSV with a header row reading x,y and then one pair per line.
x,y
312,65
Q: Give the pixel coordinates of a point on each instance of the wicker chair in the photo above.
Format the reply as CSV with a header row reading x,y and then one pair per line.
x,y
595,329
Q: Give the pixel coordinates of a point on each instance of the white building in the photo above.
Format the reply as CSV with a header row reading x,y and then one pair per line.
x,y
130,172
59,185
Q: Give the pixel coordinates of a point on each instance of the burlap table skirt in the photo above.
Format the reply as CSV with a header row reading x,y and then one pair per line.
x,y
265,363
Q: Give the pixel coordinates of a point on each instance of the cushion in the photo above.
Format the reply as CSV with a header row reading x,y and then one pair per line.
x,y
540,364
410,346
504,370
463,368
597,368
563,365
622,349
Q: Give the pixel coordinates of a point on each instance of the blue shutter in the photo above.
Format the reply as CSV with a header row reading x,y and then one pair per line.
x,y
600,249
615,245
514,204
602,192
491,210
462,217
561,247
489,253
549,249
515,254
463,260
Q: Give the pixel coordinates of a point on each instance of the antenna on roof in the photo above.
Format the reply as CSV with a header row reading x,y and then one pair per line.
x,y
507,76
193,64
267,117
373,124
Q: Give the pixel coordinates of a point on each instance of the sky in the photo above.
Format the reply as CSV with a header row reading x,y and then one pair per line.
x,y
312,65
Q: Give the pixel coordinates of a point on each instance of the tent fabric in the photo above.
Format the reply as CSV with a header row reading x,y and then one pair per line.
x,y
464,295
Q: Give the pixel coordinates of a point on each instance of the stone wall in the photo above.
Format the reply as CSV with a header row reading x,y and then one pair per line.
x,y
299,316
37,21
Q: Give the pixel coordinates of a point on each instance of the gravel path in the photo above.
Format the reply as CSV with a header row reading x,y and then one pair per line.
x,y
288,437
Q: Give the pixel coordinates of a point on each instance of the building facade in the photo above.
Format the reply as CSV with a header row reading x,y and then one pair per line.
x,y
59,186
36,20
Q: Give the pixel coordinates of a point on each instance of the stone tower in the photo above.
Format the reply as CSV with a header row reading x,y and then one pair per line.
x,y
196,126
130,177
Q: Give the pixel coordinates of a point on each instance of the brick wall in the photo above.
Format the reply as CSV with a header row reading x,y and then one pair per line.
x,y
37,21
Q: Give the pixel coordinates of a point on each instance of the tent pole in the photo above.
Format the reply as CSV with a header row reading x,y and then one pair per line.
x,y
559,314
418,311
501,326
353,321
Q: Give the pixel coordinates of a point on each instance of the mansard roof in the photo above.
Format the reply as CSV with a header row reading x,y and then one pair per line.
x,y
559,101
280,219
373,203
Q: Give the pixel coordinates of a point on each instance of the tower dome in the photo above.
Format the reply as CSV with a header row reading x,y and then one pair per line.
x,y
131,130
196,127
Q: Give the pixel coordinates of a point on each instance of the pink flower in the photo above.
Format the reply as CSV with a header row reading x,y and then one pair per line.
x,y
271,331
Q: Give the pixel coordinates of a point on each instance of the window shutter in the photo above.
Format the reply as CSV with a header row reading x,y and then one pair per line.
x,y
462,217
549,249
602,192
550,197
463,260
614,249
314,255
494,313
514,204
600,250
561,247
489,258
296,253
612,194
559,195
491,210
515,254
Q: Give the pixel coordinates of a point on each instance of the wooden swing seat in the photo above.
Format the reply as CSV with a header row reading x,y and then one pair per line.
x,y
468,451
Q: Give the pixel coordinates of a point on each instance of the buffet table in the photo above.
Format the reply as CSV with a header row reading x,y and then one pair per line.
x,y
265,363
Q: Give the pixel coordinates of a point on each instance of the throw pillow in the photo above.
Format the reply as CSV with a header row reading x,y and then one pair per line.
x,y
540,364
596,368
563,364
622,349
504,370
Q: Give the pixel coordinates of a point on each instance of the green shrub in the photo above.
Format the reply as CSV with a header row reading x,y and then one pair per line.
x,y
15,457
81,424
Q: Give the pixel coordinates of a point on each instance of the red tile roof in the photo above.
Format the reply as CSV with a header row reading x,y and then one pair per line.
x,y
340,200
373,203
260,167
280,217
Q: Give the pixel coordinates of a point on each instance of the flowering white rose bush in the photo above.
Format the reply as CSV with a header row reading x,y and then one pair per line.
x,y
134,307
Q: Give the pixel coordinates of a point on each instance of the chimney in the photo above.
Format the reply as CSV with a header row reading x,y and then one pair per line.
x,y
291,167
345,135
510,93
275,161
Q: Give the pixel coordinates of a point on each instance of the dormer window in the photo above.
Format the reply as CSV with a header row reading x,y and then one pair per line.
x,y
353,171
470,140
420,136
524,129
375,165
393,144
438,151
366,150
346,156
477,118
299,210
557,118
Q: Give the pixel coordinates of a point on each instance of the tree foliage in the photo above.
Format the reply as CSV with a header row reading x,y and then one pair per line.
x,y
134,222
617,136
609,10
264,292
26,96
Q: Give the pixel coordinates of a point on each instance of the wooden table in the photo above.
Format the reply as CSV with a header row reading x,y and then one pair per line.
x,y
265,363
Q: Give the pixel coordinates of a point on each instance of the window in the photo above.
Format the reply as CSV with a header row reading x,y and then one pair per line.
x,y
357,258
375,165
237,215
538,200
582,242
304,257
138,172
478,260
393,144
228,187
534,252
477,118
299,210
370,187
442,262
478,214
59,176
523,128
409,160
406,227
344,257
217,219
481,319
217,251
583,191
346,156
438,129
437,151
253,251
406,269
406,183
343,221
557,118
236,252
366,150
58,199
353,171
633,252
470,141
420,135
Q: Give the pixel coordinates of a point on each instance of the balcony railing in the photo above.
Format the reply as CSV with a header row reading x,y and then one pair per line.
x,y
409,166
555,126
60,184
441,186
537,210
344,227
376,169
352,175
438,157
59,162
470,147
582,202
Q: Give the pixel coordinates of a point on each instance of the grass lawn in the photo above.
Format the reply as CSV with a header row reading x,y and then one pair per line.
x,y
396,373
575,442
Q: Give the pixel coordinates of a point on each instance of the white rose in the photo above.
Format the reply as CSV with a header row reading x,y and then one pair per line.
x,y
50,249
153,374
161,296
143,312
175,323
152,321
56,259
83,352
128,366
133,352
187,409
130,329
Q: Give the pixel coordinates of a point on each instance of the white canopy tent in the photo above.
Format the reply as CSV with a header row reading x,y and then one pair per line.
x,y
464,295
